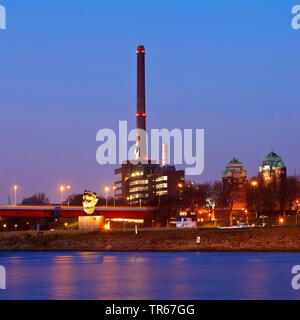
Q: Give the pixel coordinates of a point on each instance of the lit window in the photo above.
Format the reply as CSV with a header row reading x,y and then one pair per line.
x,y
163,178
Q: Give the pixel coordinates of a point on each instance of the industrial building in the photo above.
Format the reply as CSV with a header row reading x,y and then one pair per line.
x,y
143,182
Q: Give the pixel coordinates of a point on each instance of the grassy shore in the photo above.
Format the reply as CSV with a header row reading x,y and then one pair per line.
x,y
256,239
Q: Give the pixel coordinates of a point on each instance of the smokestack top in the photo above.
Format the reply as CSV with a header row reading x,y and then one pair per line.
x,y
140,49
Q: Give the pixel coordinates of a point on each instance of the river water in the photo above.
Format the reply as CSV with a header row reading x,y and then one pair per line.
x,y
148,275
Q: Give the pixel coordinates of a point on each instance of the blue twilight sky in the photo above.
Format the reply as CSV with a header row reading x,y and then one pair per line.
x,y
68,69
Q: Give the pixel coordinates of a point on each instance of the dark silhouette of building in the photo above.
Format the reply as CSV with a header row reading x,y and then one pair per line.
x,y
235,184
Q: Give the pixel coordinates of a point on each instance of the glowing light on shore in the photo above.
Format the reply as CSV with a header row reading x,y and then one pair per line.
x,y
107,226
128,220
281,221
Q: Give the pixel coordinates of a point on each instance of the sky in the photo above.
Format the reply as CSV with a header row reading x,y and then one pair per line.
x,y
68,69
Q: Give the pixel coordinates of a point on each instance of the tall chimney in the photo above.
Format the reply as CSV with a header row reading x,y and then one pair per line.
x,y
165,154
141,152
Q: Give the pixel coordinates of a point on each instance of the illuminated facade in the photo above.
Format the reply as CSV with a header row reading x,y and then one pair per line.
x,y
272,170
142,183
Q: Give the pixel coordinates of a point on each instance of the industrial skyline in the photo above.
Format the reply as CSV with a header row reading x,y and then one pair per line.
x,y
237,82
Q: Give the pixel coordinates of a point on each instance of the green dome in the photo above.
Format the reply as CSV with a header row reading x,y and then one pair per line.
x,y
234,163
273,160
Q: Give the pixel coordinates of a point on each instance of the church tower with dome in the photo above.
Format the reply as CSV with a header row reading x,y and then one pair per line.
x,y
234,183
272,170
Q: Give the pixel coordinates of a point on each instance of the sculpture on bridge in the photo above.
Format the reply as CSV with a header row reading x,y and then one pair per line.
x,y
89,201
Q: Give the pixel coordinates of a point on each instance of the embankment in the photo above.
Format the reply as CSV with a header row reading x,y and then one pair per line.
x,y
256,239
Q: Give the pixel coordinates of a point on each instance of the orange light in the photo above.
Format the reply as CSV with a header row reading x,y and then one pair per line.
x,y
254,183
137,114
144,114
180,185
107,226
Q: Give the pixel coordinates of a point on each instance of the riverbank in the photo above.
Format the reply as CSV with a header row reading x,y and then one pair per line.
x,y
256,239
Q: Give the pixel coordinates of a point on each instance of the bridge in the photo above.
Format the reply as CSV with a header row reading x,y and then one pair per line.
x,y
75,212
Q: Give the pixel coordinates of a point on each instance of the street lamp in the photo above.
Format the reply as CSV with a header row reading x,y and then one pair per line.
x,y
15,190
115,188
106,192
281,221
254,184
297,203
68,187
62,188
247,220
180,186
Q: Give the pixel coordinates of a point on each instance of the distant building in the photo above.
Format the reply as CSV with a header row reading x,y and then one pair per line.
x,y
272,170
143,183
235,184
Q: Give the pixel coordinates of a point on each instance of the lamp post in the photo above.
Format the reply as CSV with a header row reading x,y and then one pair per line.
x,y
281,221
106,192
297,203
254,185
115,188
180,186
15,190
68,187
62,188
247,220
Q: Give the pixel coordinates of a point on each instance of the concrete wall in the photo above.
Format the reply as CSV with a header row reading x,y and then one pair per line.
x,y
91,223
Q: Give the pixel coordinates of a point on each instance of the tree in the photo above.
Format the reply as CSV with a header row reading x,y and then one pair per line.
x,y
36,199
75,199
167,209
289,192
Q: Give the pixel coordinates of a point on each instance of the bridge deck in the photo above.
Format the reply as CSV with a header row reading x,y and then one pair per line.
x,y
75,212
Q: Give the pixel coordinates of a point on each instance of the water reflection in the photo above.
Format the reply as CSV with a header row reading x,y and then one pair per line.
x,y
148,275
